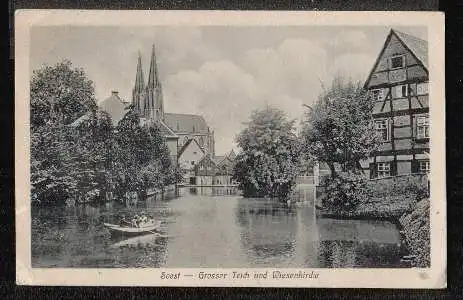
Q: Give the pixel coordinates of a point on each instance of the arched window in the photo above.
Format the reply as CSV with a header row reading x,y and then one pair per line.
x,y
201,141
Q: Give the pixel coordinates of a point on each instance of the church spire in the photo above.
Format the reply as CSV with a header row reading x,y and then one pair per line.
x,y
154,97
138,92
139,81
153,80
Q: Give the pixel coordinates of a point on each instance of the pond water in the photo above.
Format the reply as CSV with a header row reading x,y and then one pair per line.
x,y
211,228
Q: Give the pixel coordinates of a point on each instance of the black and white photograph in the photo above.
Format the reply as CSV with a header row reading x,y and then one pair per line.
x,y
228,153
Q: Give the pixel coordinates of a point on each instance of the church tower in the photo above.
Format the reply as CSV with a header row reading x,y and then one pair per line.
x,y
138,92
154,102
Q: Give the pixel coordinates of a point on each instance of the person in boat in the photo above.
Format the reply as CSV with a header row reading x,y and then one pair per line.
x,y
124,222
136,221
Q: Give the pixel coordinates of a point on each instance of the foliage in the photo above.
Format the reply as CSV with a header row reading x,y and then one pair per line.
x,y
344,192
268,163
142,159
75,151
339,129
414,185
416,229
60,94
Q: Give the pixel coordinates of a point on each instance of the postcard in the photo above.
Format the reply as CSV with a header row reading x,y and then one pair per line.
x,y
230,148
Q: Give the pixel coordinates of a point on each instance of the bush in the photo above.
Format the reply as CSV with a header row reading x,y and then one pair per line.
x,y
344,192
410,185
416,229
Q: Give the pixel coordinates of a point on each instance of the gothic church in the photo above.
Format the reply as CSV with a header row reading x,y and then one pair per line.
x,y
178,129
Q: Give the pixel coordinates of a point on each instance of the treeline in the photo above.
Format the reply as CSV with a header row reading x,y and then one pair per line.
x,y
76,153
337,131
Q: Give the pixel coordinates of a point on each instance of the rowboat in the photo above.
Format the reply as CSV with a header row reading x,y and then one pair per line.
x,y
117,230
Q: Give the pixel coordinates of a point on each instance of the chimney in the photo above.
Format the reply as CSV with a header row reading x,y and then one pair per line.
x,y
115,93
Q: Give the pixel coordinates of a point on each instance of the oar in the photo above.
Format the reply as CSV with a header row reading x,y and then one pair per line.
x,y
157,233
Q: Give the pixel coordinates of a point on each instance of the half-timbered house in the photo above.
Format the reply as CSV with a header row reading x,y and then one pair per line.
x,y
398,85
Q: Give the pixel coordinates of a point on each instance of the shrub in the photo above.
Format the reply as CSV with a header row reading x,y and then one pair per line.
x,y
344,192
416,229
415,186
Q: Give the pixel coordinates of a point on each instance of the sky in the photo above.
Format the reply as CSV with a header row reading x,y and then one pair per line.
x,y
220,72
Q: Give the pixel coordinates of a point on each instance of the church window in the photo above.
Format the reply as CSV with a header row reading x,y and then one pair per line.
x,y
201,141
178,127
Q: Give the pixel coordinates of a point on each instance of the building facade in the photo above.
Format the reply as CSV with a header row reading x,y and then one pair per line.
x,y
398,85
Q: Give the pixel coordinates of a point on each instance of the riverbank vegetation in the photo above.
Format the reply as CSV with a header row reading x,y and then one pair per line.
x,y
268,163
76,153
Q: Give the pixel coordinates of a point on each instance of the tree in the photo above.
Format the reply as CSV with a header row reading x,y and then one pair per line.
x,y
141,157
268,163
339,130
60,93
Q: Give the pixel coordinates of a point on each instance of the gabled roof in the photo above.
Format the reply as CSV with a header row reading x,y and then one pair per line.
x,y
218,159
185,146
115,107
166,131
186,123
417,47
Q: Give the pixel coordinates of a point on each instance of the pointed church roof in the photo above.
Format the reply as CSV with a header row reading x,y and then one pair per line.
x,y
139,80
115,107
153,78
186,123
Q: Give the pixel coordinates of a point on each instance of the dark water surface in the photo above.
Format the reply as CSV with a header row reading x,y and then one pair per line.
x,y
211,229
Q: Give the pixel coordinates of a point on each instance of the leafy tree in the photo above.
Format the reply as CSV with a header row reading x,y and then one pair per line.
x,y
142,159
60,93
339,130
269,162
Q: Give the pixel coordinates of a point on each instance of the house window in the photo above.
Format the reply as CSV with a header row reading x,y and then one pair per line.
x,y
400,91
384,169
425,166
397,62
377,95
192,162
422,88
185,139
382,127
422,127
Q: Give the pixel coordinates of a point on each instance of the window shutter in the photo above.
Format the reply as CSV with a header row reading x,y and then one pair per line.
x,y
393,165
372,170
415,166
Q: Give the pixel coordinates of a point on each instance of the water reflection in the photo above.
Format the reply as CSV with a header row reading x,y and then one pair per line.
x,y
209,227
